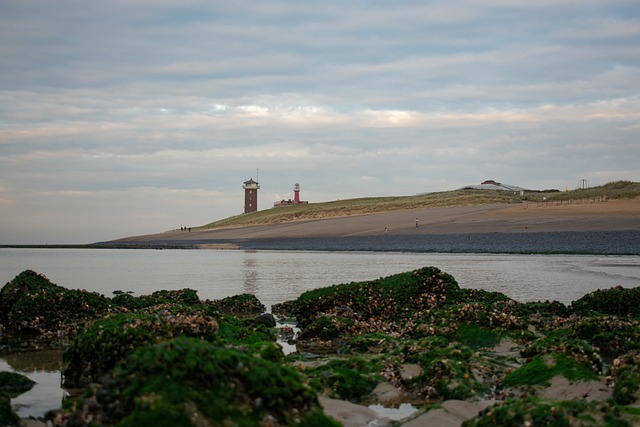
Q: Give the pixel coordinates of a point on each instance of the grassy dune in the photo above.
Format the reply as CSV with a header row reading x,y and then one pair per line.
x,y
368,205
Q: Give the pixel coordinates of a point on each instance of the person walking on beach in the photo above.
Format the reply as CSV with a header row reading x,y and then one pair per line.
x,y
416,223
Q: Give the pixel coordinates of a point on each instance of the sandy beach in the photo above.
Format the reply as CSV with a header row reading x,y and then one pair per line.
x,y
448,224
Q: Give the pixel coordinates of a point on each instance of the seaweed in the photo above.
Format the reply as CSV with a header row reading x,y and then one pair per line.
x,y
185,379
7,416
14,383
549,413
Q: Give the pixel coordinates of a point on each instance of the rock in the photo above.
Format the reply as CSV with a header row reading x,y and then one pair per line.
x,y
561,389
187,381
266,319
387,394
348,414
410,371
452,414
14,383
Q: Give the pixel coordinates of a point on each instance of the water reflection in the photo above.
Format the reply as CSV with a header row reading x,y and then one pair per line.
x,y
44,368
250,273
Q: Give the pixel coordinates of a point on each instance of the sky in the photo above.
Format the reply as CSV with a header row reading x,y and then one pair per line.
x,y
122,118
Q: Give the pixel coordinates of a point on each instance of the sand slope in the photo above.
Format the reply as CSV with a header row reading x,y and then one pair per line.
x,y
611,215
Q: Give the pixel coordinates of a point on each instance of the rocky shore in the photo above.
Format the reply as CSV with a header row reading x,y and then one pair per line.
x,y
412,349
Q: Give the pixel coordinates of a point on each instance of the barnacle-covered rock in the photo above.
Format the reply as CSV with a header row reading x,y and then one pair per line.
x,y
576,349
387,299
184,296
348,379
616,301
31,304
532,411
96,350
191,382
625,371
242,306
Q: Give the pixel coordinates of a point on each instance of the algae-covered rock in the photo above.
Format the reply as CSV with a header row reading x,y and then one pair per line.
x,y
96,350
14,383
31,304
626,373
416,304
541,369
532,411
446,370
386,299
184,296
612,335
574,349
242,306
348,379
617,301
99,347
191,382
7,416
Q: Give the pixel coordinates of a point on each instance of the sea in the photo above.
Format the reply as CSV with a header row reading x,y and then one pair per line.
x,y
277,276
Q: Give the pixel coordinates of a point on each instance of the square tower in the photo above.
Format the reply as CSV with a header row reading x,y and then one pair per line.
x,y
251,188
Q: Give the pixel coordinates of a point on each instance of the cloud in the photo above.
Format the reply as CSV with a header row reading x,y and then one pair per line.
x,y
116,110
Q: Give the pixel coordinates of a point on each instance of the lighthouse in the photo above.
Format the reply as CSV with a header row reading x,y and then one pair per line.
x,y
251,188
296,194
296,199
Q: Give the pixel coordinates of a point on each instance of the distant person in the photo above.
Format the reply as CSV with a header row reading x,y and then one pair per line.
x,y
189,229
416,223
386,230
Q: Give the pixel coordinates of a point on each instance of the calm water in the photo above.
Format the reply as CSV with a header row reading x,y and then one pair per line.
x,y
276,276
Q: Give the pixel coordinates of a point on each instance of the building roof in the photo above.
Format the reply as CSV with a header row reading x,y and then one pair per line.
x,y
493,185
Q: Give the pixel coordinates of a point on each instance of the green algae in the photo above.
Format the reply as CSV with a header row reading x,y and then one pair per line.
x,y
193,378
7,416
14,383
478,337
420,317
626,373
97,349
373,343
617,301
549,413
541,369
349,379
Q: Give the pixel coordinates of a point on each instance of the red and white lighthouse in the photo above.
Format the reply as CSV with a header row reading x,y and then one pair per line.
x,y
296,193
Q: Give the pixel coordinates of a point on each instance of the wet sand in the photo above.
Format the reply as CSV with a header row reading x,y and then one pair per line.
x,y
562,225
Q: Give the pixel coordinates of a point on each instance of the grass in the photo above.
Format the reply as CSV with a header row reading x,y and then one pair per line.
x,y
369,205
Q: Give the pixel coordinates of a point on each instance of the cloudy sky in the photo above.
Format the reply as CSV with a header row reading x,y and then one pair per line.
x,y
131,117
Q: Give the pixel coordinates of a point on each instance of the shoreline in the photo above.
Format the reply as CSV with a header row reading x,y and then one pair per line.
x,y
623,242
608,227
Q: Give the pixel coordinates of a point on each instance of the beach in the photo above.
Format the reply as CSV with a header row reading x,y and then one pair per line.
x,y
587,226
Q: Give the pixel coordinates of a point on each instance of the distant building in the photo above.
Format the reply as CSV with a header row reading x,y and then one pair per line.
x,y
251,188
296,198
493,185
